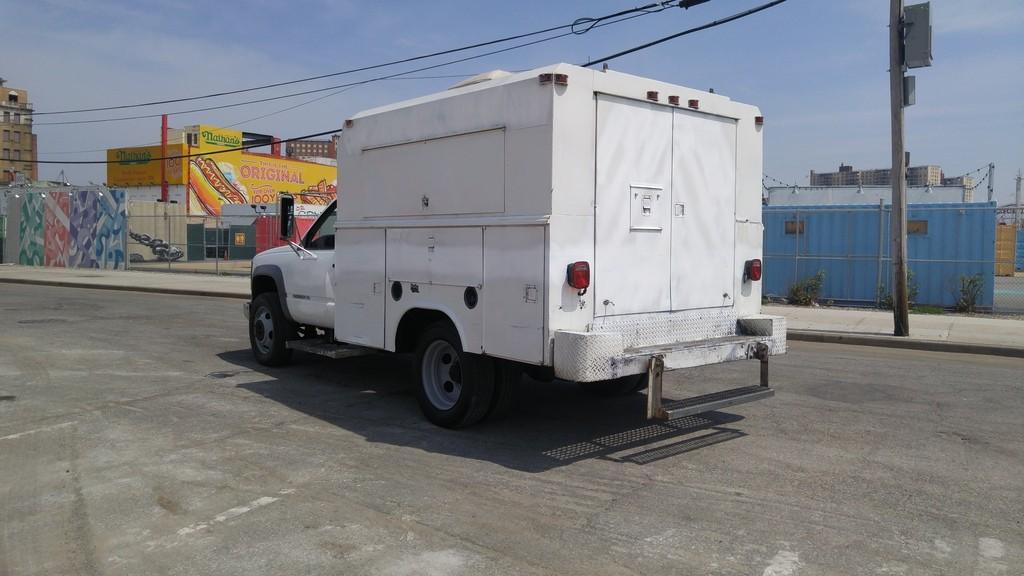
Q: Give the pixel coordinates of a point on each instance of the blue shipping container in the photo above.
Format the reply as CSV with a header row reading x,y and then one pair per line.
x,y
1019,267
851,244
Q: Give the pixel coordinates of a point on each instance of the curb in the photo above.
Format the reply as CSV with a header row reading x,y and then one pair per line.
x,y
121,288
821,336
882,340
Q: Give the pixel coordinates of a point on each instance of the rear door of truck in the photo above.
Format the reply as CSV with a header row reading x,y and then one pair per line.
x,y
665,204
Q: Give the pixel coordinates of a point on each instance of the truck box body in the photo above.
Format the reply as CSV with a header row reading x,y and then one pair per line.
x,y
474,201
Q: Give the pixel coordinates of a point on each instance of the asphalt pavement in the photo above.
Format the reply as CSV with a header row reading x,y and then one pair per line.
x,y
137,436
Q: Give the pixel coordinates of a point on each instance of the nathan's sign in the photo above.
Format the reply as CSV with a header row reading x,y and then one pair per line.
x,y
223,139
137,167
125,157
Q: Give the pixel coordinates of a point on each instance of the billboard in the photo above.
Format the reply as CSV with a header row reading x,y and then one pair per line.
x,y
216,173
220,175
135,166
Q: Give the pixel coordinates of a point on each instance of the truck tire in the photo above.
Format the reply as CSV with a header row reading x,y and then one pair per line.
x,y
269,330
454,388
622,386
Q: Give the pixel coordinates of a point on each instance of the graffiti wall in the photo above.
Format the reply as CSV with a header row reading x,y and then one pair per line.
x,y
68,228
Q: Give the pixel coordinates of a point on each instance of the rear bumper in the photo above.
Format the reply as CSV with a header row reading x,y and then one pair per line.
x,y
593,356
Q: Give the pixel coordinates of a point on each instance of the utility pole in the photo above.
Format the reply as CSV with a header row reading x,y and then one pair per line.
x,y
900,306
910,46
164,192
1016,208
991,180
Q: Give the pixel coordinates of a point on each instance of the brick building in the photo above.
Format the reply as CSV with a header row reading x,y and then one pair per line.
x,y
17,142
929,175
312,149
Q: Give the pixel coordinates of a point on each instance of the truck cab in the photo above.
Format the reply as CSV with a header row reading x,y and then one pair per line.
x,y
571,223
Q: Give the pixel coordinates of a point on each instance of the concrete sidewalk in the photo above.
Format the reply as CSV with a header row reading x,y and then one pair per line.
x,y
158,282
949,333
944,332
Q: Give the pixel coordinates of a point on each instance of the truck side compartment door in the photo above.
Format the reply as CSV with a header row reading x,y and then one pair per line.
x,y
359,307
435,268
513,295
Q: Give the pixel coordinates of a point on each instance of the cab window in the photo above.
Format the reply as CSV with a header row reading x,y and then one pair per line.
x,y
321,235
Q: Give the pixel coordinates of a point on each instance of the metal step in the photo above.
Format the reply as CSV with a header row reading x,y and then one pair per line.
x,y
328,348
715,401
657,409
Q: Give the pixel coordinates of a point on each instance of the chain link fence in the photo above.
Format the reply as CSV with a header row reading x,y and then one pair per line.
x,y
170,242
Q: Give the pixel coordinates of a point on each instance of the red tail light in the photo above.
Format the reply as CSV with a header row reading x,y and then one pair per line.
x,y
752,270
578,275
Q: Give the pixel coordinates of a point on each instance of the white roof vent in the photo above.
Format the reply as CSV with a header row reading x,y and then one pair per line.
x,y
483,77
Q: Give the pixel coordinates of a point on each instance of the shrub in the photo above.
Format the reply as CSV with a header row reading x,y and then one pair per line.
x,y
885,297
805,292
970,291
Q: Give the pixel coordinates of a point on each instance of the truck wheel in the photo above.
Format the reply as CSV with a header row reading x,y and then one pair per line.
x,y
268,330
622,386
454,387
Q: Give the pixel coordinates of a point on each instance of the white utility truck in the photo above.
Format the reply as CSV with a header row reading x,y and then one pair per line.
x,y
578,224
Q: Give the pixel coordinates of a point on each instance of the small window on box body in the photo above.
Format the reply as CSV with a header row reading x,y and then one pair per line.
x,y
795,226
917,227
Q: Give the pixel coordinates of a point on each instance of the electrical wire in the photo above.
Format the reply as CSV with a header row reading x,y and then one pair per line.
x,y
239,123
713,24
190,155
589,22
777,181
346,85
607,58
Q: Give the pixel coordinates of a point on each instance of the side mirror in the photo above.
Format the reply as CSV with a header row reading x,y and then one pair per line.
x,y
285,215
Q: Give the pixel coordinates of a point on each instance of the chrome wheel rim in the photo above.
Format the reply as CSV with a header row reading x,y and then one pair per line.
x,y
263,330
442,374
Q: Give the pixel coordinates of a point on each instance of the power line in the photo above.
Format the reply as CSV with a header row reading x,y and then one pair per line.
x,y
346,85
629,51
777,181
975,171
719,22
190,155
578,26
239,123
349,84
325,96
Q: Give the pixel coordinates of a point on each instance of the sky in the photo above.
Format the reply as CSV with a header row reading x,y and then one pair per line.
x,y
816,68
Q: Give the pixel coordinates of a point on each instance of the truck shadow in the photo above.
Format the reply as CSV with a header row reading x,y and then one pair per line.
x,y
554,423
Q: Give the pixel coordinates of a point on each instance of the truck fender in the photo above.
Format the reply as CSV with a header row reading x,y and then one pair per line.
x,y
273,272
419,318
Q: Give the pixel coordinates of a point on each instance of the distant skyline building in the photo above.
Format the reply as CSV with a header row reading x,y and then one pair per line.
x,y
928,175
18,144
312,148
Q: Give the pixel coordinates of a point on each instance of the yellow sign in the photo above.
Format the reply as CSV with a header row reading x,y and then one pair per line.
x,y
137,167
217,173
208,139
239,238
237,177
